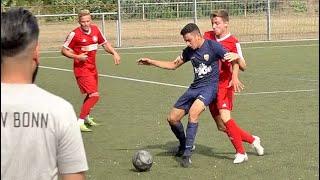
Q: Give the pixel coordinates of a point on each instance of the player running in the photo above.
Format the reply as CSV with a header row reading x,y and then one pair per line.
x,y
228,84
81,45
204,56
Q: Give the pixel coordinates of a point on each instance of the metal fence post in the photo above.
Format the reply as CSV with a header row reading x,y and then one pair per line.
x,y
143,15
103,26
119,25
268,21
195,11
177,10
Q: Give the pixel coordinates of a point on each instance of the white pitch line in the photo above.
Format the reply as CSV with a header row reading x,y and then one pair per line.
x,y
180,86
119,77
276,92
182,45
159,52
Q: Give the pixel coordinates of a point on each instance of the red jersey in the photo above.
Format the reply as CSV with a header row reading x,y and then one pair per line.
x,y
231,44
80,42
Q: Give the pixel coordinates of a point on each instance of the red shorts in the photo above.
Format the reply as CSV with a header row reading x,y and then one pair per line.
x,y
224,100
88,84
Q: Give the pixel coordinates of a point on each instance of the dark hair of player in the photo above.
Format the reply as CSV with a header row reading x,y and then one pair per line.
x,y
189,28
19,28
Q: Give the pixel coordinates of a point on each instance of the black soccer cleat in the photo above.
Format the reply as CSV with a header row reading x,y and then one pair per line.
x,y
186,161
180,151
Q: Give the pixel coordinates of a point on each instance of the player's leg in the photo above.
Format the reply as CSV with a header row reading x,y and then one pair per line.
x,y
234,135
174,120
216,116
227,103
87,106
88,86
204,96
94,98
181,107
196,109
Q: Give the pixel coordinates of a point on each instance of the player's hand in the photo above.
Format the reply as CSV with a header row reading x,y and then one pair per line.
x,y
116,58
230,56
82,56
176,61
237,85
144,61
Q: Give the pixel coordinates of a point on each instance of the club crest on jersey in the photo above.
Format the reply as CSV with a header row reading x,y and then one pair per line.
x,y
206,57
84,40
95,38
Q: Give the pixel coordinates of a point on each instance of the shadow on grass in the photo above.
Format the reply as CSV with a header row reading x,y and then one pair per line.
x,y
171,147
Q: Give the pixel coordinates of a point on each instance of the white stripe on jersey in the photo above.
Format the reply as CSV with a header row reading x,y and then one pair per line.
x,y
104,38
223,38
69,39
90,47
239,51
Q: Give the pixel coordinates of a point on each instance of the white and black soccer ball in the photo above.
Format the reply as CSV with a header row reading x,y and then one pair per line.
x,y
142,160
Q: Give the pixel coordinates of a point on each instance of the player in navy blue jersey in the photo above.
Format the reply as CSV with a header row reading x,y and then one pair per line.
x,y
204,56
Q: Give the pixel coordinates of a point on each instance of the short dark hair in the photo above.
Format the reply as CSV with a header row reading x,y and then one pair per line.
x,y
18,29
223,14
191,27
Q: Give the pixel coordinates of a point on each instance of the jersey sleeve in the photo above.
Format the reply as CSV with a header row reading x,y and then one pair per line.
x,y
101,38
238,50
71,157
70,41
185,55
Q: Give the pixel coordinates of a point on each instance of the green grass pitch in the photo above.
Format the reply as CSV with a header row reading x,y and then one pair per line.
x,y
280,104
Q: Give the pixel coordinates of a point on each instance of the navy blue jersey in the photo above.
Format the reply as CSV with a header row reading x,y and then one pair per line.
x,y
205,63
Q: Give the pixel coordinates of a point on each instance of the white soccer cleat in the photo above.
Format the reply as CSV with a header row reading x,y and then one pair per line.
x,y
257,146
193,148
240,158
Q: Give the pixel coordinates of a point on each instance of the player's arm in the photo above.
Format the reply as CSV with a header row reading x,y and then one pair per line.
x,y
235,82
234,57
241,61
75,176
242,64
171,65
70,54
108,48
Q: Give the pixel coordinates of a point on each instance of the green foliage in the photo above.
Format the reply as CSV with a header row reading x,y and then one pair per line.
x,y
298,6
133,9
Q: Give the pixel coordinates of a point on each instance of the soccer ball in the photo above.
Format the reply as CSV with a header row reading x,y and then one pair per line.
x,y
142,160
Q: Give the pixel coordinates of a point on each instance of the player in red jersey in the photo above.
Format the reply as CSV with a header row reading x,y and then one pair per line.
x,y
228,84
81,45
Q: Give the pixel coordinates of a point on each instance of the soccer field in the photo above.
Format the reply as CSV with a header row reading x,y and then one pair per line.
x,y
279,104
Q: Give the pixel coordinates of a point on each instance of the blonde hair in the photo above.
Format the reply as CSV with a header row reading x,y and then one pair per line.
x,y
222,14
83,12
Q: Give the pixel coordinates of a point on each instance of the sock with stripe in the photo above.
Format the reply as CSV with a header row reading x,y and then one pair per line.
x,y
87,105
234,135
191,133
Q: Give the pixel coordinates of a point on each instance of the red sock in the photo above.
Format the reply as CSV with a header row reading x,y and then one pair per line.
x,y
235,136
245,136
87,105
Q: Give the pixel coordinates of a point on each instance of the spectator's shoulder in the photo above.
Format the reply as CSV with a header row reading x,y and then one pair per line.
x,y
53,100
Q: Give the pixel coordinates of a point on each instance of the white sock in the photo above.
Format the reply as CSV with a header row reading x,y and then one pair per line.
x,y
80,121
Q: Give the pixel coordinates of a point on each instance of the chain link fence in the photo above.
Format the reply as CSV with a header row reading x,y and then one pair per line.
x,y
159,24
